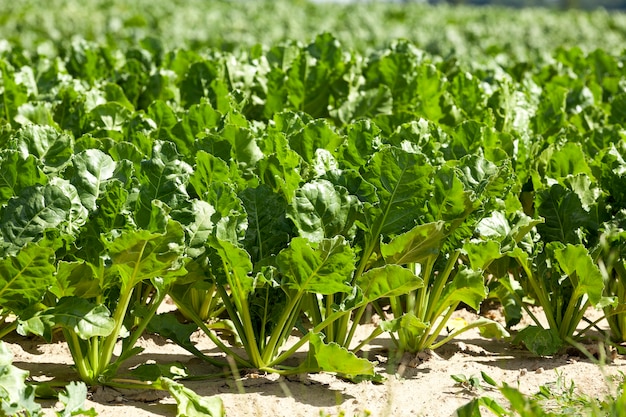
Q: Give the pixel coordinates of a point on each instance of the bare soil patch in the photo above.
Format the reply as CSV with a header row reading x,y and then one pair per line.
x,y
416,385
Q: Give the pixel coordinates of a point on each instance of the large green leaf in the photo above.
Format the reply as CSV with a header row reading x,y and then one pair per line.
x,y
321,210
16,397
51,147
415,246
403,183
557,163
577,263
25,277
161,179
331,357
323,267
92,169
236,268
566,220
75,279
467,286
81,317
37,209
268,229
317,134
388,281
17,173
137,255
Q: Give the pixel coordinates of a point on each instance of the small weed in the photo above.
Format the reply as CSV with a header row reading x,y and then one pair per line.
x,y
560,398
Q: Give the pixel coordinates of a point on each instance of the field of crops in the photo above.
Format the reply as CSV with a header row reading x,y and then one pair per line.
x,y
285,174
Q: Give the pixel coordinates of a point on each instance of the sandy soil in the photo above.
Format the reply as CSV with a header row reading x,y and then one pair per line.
x,y
421,385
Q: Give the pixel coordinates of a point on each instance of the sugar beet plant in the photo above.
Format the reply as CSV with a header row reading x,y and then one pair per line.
x,y
284,191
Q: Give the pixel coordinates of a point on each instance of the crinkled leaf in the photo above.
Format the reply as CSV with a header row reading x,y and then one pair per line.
x,y
137,255
191,404
331,357
467,286
16,398
82,317
198,224
52,147
322,267
36,209
576,262
92,168
73,399
268,228
558,163
449,202
25,277
17,173
321,210
542,342
75,278
163,180
402,182
317,134
415,246
388,281
564,215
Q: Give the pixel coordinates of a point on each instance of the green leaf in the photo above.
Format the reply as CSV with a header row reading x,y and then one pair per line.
x,y
191,404
490,329
268,228
161,179
92,169
559,163
542,342
16,398
52,148
82,317
25,277
449,202
168,326
137,255
75,279
198,224
551,113
317,134
415,246
37,209
17,173
586,278
566,220
154,371
236,269
209,169
482,253
321,210
467,286
362,140
388,281
331,357
322,267
403,183
410,330
365,104
73,399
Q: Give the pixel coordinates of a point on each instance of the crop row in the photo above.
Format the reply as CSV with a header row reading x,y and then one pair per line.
x,y
291,189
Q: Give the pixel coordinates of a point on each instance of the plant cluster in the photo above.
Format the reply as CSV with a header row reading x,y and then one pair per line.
x,y
287,190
